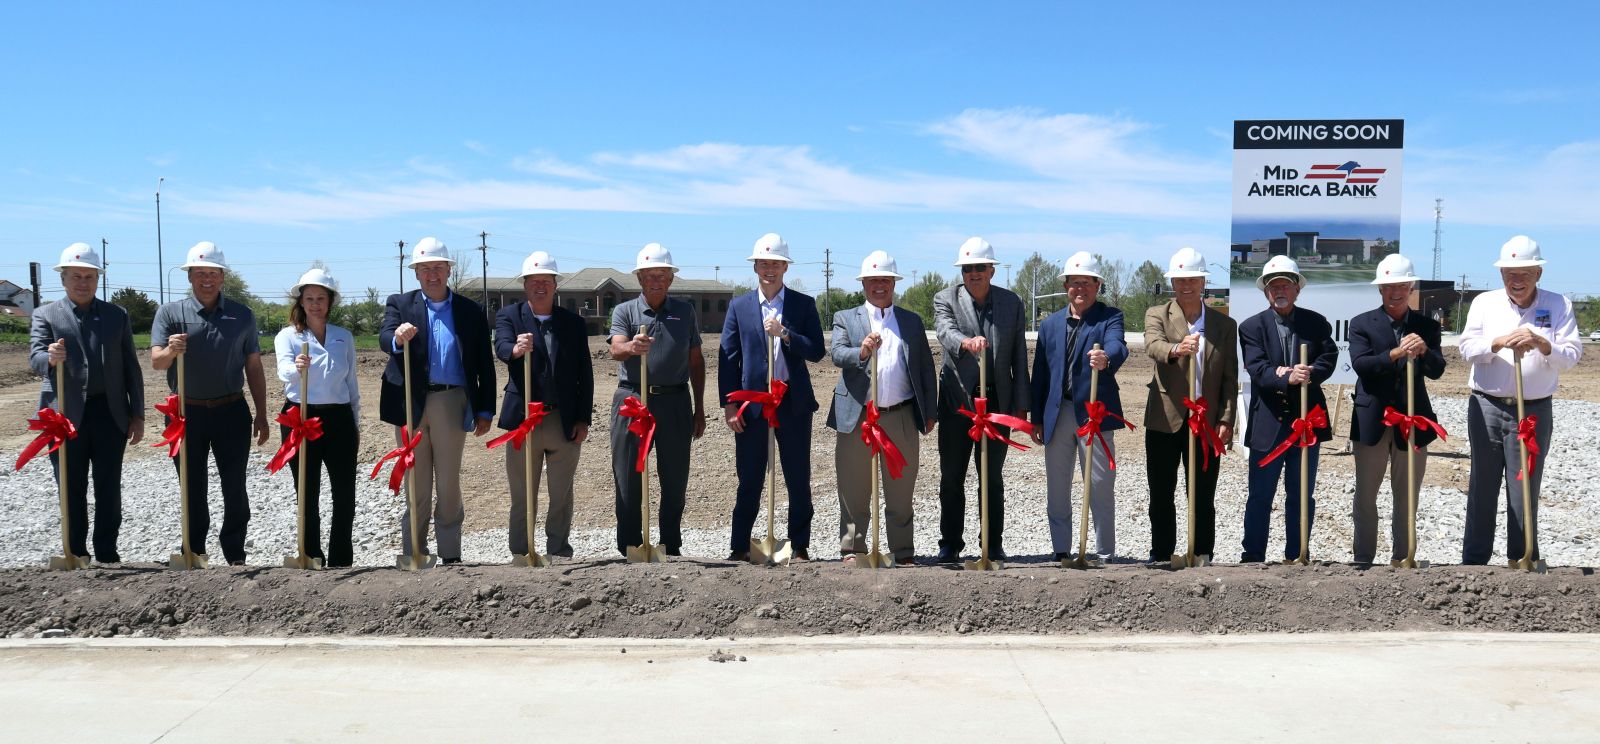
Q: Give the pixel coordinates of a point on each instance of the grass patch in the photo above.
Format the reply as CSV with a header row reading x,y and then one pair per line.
x,y
141,341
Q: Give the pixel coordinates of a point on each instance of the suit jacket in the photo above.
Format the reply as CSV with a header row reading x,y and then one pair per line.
x,y
1274,403
850,328
956,320
742,358
1102,324
573,379
472,340
124,379
1381,383
1164,327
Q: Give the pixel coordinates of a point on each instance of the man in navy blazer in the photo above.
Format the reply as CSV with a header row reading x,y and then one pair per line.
x,y
1382,341
452,388
787,320
1271,341
1063,360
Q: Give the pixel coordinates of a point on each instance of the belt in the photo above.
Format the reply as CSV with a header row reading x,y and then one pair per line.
x,y
682,387
1504,401
327,406
213,402
895,407
433,388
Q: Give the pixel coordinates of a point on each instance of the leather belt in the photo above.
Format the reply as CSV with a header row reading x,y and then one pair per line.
x,y
895,407
433,388
213,402
1510,402
682,387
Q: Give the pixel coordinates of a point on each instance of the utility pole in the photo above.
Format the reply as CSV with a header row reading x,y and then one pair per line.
x,y
1008,276
1438,232
161,274
105,285
483,248
716,273
1460,293
827,284
402,245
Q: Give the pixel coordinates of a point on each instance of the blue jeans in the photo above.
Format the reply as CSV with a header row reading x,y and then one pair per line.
x,y
1263,487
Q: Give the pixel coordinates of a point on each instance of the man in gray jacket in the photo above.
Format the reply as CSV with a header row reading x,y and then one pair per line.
x,y
976,321
103,397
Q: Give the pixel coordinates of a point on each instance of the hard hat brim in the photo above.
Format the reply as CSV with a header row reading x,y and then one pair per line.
x,y
204,265
654,265
754,257
76,265
1397,279
970,260
1185,274
431,259
1066,274
878,274
1265,279
541,271
1519,263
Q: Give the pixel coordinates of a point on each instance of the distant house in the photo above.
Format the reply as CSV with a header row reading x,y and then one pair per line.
x,y
1309,247
592,294
15,301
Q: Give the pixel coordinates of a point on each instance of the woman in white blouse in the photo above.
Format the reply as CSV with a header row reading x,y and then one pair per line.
x,y
327,354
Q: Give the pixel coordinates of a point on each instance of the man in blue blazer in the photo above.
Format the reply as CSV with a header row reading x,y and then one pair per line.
x,y
786,320
1382,341
1063,359
452,388
1271,341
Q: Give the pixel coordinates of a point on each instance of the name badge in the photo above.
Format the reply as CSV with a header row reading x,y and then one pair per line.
x,y
1541,318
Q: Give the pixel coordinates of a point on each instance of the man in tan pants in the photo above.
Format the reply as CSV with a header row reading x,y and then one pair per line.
x,y
906,387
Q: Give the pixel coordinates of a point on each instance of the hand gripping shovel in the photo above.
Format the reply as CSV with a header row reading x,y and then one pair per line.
x,y
875,558
185,559
1088,486
1526,562
300,560
1188,559
983,563
419,558
66,561
1305,472
771,551
645,552
530,559
1410,561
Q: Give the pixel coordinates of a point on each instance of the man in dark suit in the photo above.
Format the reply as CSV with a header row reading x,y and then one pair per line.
x,y
1062,373
103,397
906,390
555,341
1271,341
787,320
1382,341
976,321
452,388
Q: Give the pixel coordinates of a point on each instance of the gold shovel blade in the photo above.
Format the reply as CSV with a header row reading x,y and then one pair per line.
x,y
1082,562
187,562
412,563
770,552
531,560
302,562
68,562
983,564
873,560
1180,560
1529,565
647,553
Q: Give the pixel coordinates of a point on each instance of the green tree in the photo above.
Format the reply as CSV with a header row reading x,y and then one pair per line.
x,y
834,300
918,298
141,309
1039,275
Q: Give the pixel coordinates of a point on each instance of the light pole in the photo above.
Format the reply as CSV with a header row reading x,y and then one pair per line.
x,y
160,274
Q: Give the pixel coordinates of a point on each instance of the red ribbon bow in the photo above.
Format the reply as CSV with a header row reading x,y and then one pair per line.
x,y
1302,434
1095,413
172,436
1526,431
299,432
53,429
536,414
983,423
643,425
1394,418
1210,444
769,402
404,457
878,441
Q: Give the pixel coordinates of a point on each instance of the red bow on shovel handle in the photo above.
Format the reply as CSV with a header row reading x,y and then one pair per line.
x,y
53,429
769,402
536,414
878,441
1526,431
404,457
1405,424
1094,413
300,432
983,424
172,436
1210,444
643,425
1302,434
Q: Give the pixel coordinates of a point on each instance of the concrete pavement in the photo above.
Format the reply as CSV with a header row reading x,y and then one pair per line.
x,y
1429,687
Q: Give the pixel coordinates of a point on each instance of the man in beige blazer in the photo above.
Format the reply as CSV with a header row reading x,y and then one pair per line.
x,y
1174,334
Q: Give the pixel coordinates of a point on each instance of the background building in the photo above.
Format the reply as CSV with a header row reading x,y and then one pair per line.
x,y
592,294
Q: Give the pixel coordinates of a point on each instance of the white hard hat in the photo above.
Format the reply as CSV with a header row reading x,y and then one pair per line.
x,y
205,255
975,251
879,263
538,262
1082,263
1185,264
770,248
1278,265
654,256
317,276
1519,252
81,256
430,250
1395,269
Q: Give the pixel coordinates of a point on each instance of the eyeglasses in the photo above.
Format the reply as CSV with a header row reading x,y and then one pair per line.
x,y
973,268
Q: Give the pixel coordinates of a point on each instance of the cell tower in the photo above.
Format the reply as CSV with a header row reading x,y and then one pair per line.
x,y
1438,235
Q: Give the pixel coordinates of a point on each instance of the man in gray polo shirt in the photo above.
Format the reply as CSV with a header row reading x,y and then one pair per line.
x,y
672,339
217,338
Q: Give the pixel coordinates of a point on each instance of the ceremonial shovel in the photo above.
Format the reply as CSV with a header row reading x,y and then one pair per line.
x,y
185,559
645,553
1305,474
771,551
1088,484
1189,559
301,560
1526,563
418,559
983,563
531,559
66,561
1410,561
874,559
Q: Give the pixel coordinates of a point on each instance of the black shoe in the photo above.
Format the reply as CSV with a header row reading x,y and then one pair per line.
x,y
673,550
108,559
1063,556
738,556
239,562
449,561
1251,558
909,560
948,555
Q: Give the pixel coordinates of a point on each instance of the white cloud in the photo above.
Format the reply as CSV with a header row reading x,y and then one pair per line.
x,y
1490,186
476,146
1076,147
550,166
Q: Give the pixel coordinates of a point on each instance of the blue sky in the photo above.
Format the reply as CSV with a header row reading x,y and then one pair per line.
x,y
288,132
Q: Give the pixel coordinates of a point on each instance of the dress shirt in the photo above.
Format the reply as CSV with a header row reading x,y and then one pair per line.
x,y
1492,315
894,379
770,309
1198,329
331,377
444,355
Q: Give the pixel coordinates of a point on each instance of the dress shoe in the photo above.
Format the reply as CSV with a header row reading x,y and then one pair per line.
x,y
909,560
673,550
849,559
1063,556
949,555
236,563
739,557
108,559
449,561
1251,558
799,554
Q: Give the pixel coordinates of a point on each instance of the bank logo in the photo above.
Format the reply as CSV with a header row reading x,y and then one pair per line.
x,y
1349,172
